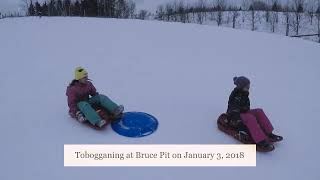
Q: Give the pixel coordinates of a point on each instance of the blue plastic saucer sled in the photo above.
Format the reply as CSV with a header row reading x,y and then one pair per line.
x,y
135,124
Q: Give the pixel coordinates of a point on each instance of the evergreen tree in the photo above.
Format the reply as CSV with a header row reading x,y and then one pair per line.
x,y
66,7
31,10
52,11
38,10
110,8
300,8
76,10
92,8
44,9
59,8
275,7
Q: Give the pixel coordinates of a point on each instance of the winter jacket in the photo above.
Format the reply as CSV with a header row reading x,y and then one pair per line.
x,y
239,102
77,92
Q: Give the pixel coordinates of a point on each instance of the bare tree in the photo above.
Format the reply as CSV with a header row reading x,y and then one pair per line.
x,y
254,15
187,13
273,20
245,7
245,4
234,14
311,7
274,17
318,19
267,15
169,11
200,9
220,7
181,11
174,16
298,9
286,13
160,13
131,8
24,5
142,14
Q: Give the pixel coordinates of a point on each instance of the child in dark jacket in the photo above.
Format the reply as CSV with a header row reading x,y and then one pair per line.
x,y
82,95
255,120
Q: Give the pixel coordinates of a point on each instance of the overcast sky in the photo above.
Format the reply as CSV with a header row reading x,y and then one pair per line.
x,y
13,5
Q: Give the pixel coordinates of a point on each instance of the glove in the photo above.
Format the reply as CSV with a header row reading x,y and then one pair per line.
x,y
80,117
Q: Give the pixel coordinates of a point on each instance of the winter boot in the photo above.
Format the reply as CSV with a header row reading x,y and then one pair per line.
x,y
118,112
275,138
80,117
264,146
101,123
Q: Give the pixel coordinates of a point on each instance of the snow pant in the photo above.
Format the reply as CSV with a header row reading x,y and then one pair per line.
x,y
98,100
257,123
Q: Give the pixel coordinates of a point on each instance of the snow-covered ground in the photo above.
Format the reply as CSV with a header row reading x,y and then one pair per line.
x,y
180,73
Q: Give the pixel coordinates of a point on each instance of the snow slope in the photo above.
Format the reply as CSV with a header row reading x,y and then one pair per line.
x,y
180,73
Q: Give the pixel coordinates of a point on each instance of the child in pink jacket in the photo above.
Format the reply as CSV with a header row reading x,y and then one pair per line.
x,y
82,96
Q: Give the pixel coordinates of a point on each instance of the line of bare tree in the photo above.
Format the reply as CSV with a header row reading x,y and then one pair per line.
x,y
10,15
214,10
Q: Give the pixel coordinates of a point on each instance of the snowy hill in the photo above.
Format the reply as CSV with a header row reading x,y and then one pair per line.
x,y
180,73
